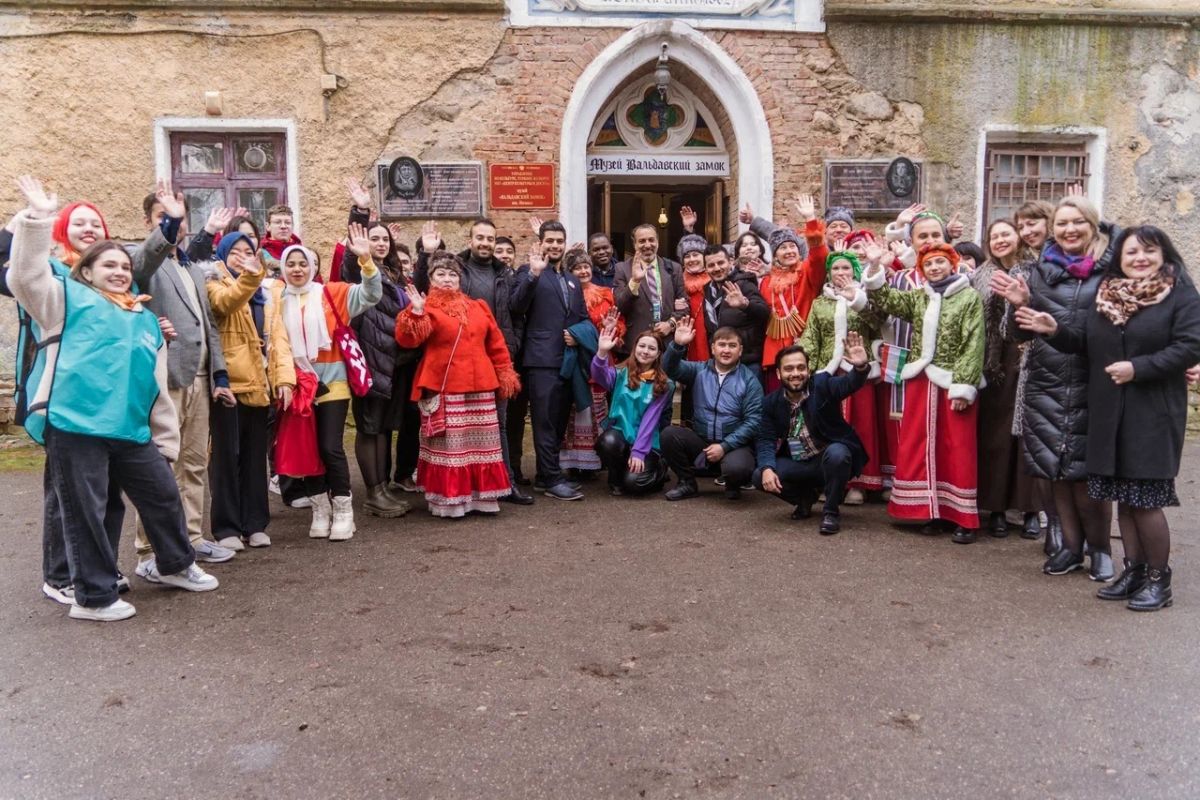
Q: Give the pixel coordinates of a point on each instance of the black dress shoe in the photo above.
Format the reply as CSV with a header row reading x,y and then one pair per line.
x,y
518,498
830,523
541,487
1054,537
683,490
1132,579
802,511
733,494
1100,566
965,535
1062,562
1155,594
564,491
1032,529
998,525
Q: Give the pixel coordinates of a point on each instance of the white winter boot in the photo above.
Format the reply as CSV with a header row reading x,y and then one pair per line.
x,y
321,517
343,520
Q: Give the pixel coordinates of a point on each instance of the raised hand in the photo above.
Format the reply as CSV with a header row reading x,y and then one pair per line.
x,y
537,262
1075,190
733,295
171,203
218,218
576,246
608,338
685,331
875,253
265,261
839,245
905,217
688,218
41,205
637,270
430,238
359,196
1014,290
755,266
416,299
806,204
1038,322
357,240
855,351
535,223
954,226
746,215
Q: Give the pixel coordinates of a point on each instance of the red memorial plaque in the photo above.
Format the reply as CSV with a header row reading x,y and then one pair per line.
x,y
521,185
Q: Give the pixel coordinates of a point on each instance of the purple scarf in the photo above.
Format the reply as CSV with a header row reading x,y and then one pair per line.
x,y
1078,267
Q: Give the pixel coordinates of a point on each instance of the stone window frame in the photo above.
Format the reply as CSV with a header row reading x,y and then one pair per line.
x,y
165,127
1091,142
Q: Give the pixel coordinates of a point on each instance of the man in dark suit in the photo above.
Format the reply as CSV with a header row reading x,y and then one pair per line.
x,y
648,288
550,301
804,442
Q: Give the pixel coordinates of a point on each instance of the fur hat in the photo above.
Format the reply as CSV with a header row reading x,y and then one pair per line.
x,y
782,235
839,213
692,243
937,249
444,259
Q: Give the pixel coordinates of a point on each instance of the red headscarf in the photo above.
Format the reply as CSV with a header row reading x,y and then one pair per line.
x,y
70,254
937,249
862,234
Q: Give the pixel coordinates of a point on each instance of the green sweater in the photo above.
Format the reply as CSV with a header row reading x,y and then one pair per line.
x,y
830,319
948,335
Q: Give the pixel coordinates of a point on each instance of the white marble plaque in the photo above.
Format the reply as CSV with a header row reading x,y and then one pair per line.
x,y
791,15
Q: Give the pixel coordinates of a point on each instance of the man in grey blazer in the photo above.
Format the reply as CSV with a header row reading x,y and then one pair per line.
x,y
648,289
195,362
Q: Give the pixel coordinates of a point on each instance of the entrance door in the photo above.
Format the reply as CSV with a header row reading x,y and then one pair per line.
x,y
619,208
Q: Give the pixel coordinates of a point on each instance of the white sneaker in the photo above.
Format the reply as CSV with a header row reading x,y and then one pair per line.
x,y
118,610
343,520
322,516
63,595
233,543
212,553
854,497
301,502
146,571
193,579
273,485
259,539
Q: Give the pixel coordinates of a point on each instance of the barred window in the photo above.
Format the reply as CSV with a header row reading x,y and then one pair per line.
x,y
1021,171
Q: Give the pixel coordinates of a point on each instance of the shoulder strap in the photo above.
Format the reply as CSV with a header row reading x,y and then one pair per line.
x,y
332,305
450,360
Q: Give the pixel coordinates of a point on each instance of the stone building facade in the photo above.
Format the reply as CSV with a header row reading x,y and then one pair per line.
x,y
101,97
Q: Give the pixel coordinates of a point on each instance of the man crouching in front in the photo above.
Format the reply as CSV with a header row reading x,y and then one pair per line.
x,y
804,442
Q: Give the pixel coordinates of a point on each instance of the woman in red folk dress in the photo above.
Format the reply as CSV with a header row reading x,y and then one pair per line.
x,y
460,467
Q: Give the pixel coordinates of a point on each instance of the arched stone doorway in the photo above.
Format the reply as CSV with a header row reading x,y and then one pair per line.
x,y
619,67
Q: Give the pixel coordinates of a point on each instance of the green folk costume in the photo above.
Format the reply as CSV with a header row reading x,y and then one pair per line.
x,y
948,332
829,320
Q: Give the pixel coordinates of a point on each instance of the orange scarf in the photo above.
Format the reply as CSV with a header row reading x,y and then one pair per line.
x,y
126,300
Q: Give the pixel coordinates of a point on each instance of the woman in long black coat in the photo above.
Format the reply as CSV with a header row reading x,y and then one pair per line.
x,y
1064,284
1140,337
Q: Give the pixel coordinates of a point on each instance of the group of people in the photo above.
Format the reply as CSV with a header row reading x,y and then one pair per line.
x,y
1043,375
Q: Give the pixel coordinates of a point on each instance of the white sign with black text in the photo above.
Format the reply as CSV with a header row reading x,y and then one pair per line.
x,y
709,164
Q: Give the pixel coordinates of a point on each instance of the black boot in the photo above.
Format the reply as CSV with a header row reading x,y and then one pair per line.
x,y
1155,594
1132,579
1032,529
1062,562
998,525
1101,566
684,489
965,535
1054,537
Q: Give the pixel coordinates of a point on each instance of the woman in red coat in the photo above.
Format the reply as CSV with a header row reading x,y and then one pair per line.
x,y
460,467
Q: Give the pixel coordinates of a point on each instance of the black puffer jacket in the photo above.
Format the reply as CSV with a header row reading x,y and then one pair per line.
x,y
1056,391
750,322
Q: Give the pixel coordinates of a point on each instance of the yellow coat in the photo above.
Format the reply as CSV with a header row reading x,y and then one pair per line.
x,y
250,377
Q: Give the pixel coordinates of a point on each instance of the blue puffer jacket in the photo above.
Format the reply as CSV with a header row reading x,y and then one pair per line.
x,y
728,413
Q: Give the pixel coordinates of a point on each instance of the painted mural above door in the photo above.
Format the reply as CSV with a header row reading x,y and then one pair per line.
x,y
791,15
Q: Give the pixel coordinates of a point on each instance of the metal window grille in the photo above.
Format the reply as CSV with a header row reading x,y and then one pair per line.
x,y
1017,173
229,170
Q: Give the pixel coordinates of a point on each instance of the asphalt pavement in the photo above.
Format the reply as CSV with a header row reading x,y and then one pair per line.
x,y
625,648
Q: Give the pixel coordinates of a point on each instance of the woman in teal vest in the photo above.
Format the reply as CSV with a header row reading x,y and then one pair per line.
x,y
641,392
99,404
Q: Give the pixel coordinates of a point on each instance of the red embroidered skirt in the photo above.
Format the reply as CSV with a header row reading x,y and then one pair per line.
x,y
936,467
578,449
463,469
859,411
889,426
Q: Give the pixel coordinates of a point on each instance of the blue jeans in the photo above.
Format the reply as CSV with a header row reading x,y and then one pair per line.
x,y
829,471
83,469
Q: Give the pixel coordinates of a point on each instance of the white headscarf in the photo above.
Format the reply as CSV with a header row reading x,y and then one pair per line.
x,y
304,312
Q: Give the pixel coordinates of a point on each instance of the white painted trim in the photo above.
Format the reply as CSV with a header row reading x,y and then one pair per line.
x,y
806,16
704,57
1096,139
165,126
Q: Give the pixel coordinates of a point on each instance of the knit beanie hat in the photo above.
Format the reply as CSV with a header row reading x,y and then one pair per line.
x,y
839,213
936,249
63,222
843,255
692,243
926,215
783,234
860,235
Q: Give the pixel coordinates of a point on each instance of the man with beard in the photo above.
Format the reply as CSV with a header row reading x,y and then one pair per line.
x,y
648,287
732,300
804,443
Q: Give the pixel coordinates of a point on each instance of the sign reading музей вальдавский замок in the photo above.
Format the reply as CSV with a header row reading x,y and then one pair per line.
x,y
792,15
